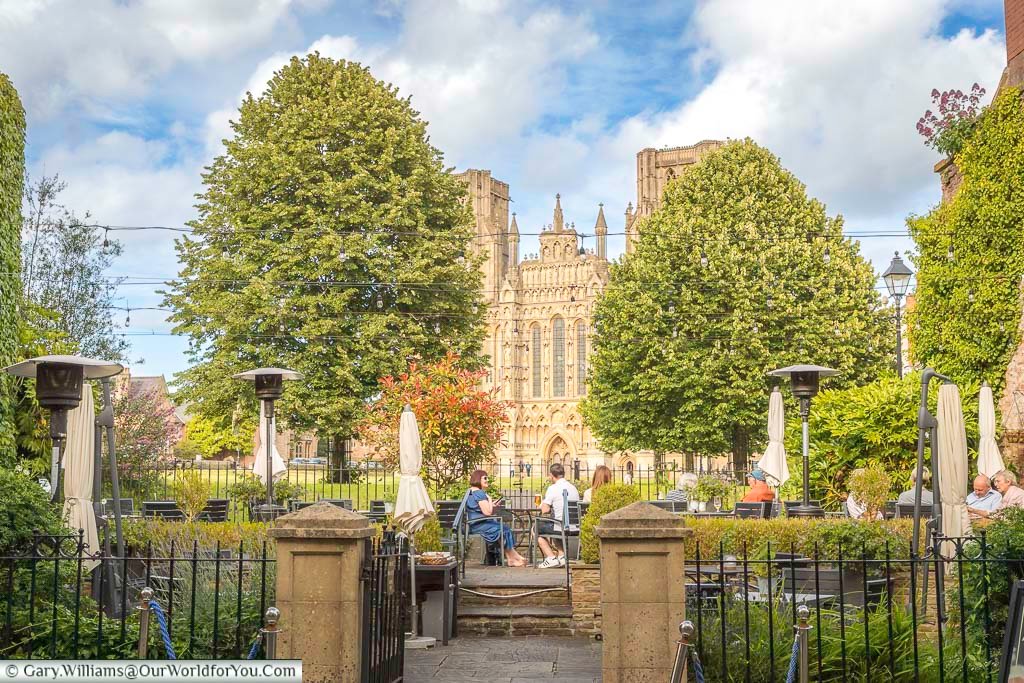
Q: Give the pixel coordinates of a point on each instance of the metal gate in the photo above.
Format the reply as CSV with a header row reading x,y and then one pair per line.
x,y
385,599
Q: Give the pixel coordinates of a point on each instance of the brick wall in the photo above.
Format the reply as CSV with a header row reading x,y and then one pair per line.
x,y
1014,42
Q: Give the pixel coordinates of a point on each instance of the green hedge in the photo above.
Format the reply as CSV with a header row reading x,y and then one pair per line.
x,y
140,533
12,175
608,498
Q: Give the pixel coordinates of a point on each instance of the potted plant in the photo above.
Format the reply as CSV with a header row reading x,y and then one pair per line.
x,y
707,489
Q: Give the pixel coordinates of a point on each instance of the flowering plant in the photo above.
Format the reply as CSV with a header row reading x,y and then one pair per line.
x,y
948,130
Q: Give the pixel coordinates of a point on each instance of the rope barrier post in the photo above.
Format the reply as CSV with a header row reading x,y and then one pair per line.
x,y
144,597
272,616
686,631
803,628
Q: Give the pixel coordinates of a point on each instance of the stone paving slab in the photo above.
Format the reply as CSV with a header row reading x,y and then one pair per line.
x,y
507,660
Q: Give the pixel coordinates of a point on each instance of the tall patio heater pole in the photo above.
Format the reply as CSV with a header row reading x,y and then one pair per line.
x,y
804,380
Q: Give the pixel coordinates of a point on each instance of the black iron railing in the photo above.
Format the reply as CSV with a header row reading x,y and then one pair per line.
x,y
385,583
55,607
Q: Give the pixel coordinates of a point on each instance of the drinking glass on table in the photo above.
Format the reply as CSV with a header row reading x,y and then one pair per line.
x,y
717,502
536,500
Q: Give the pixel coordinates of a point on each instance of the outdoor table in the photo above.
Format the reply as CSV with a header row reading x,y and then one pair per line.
x,y
443,577
707,514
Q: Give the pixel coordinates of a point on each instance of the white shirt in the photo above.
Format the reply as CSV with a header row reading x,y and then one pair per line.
x,y
553,496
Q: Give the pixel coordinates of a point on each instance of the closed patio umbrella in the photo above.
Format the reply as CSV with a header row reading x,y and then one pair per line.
x,y
773,462
952,462
989,459
79,465
413,506
259,463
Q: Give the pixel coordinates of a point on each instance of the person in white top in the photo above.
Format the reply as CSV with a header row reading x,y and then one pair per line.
x,y
553,506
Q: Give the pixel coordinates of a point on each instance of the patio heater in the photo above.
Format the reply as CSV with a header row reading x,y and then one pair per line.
x,y
59,389
804,381
269,383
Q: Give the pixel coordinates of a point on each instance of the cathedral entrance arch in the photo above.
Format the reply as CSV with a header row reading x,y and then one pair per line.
x,y
558,450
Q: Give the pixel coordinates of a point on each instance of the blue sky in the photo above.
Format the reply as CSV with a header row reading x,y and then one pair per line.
x,y
129,99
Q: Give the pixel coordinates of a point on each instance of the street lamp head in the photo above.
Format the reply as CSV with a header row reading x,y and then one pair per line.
x,y
269,381
59,384
897,277
804,378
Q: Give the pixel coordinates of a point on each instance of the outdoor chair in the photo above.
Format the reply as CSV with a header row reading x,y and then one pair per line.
x,y
447,510
216,510
127,507
583,509
890,509
753,510
462,518
163,509
378,512
826,587
564,529
907,510
668,505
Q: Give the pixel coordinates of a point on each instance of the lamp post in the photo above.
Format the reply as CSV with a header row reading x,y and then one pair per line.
x,y
269,383
804,381
59,389
897,280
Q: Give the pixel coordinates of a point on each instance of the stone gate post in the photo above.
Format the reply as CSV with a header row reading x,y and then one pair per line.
x,y
319,561
643,592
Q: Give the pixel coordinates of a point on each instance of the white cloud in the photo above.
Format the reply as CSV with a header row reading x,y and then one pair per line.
x,y
63,53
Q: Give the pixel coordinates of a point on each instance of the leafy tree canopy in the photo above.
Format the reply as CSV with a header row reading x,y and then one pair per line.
x,y
460,424
730,279
210,438
328,241
971,255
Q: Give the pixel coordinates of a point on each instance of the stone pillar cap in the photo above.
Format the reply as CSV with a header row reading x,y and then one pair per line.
x,y
321,520
642,520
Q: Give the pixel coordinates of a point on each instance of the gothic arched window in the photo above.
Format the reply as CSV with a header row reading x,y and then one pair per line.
x,y
581,358
536,351
558,357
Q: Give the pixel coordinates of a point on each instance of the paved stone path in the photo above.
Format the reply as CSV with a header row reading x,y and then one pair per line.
x,y
507,660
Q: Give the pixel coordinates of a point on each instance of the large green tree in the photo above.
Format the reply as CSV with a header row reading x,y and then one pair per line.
x,y
12,173
737,273
971,255
330,240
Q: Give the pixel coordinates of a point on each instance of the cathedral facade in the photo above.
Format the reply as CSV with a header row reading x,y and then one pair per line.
x,y
539,326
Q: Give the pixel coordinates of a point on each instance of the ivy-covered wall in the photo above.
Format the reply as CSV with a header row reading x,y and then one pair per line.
x,y
12,174
970,256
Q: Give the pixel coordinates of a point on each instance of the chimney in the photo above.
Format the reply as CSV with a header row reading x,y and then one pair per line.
x,y
1014,10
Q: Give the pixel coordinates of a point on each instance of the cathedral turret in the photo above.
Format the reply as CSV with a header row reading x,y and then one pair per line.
x,y
559,222
601,230
513,243
630,236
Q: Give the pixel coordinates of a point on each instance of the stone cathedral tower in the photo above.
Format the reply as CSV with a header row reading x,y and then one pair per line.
x,y
539,324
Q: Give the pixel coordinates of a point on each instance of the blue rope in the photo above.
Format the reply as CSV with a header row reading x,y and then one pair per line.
x,y
698,669
164,634
255,649
791,675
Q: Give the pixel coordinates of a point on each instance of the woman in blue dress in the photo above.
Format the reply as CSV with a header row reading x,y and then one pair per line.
x,y
479,505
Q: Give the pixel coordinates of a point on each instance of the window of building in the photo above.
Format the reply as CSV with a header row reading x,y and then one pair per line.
x,y
558,357
581,359
535,348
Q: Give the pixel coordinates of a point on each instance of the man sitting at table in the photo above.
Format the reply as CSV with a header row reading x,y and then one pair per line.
x,y
759,491
983,497
553,506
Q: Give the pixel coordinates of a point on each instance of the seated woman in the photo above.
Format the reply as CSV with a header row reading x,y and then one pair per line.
x,y
478,505
759,491
602,476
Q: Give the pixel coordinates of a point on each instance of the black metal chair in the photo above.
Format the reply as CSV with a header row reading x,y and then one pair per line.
x,y
127,507
447,512
378,512
583,509
668,505
890,509
562,529
907,510
216,510
162,509
753,510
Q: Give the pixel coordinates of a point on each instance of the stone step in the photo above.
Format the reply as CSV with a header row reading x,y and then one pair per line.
x,y
516,620
519,595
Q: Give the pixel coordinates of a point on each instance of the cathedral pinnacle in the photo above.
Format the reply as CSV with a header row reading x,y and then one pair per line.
x,y
513,229
559,223
601,227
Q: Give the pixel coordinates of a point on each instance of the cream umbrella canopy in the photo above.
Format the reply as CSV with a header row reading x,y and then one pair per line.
x,y
79,464
413,506
989,459
952,462
259,463
773,462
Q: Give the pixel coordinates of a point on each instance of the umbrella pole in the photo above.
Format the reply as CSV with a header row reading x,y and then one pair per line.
x,y
107,418
412,589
